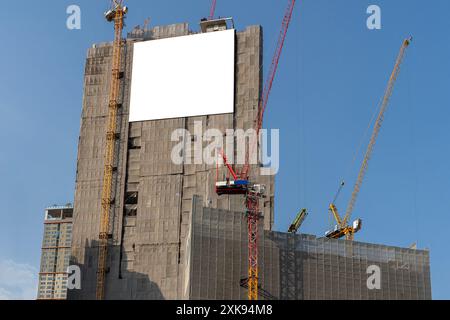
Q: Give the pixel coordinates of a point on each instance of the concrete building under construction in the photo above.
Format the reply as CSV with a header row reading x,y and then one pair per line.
x,y
56,251
172,237
297,266
153,196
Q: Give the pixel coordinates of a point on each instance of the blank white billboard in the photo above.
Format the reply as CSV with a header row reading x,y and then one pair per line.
x,y
183,76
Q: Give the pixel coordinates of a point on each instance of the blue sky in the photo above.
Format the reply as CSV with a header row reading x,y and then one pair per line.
x,y
331,77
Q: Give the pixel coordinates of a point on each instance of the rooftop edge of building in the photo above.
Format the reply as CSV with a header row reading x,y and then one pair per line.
x,y
162,32
58,213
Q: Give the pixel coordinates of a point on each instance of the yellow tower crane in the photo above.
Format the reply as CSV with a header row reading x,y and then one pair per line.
x,y
342,228
117,14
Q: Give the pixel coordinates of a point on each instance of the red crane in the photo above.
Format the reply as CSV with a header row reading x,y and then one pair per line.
x,y
213,10
271,76
240,183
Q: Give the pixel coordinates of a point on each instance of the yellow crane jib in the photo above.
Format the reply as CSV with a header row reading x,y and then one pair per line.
x,y
377,127
342,228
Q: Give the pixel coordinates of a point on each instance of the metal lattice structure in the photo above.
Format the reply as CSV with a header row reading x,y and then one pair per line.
x,y
270,78
252,197
116,14
252,204
240,185
343,228
376,129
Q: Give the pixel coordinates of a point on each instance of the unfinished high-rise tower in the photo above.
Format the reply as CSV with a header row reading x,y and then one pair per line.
x,y
173,79
55,256
171,236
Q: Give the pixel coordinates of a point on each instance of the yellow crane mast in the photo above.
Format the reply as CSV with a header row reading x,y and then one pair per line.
x,y
342,228
117,14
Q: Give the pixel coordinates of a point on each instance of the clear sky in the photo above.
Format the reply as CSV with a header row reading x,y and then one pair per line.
x,y
332,74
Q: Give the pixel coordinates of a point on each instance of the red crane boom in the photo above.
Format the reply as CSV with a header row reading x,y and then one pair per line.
x,y
213,10
240,185
269,82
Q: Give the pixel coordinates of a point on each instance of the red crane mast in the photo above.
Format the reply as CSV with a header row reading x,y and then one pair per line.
x,y
240,185
213,10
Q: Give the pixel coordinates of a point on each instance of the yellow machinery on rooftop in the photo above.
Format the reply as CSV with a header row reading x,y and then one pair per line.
x,y
298,221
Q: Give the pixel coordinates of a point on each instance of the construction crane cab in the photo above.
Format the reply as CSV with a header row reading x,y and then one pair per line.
x,y
232,187
110,15
258,189
232,184
239,187
220,24
341,229
347,231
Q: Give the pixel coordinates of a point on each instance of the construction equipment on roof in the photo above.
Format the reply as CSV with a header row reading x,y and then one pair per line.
x,y
301,216
117,14
342,228
240,183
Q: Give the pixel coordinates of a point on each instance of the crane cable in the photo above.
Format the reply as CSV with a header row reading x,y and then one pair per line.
x,y
357,152
376,129
413,148
382,108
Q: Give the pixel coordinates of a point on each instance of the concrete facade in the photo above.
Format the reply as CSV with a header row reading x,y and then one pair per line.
x,y
56,250
151,218
297,267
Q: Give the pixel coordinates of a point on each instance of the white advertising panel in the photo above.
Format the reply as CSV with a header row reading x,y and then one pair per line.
x,y
183,76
